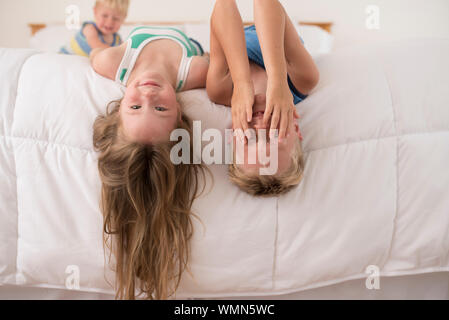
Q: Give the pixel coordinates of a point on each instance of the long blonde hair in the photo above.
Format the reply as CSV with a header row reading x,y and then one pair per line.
x,y
146,204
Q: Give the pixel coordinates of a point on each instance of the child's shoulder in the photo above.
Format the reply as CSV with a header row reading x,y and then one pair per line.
x,y
89,28
198,72
107,61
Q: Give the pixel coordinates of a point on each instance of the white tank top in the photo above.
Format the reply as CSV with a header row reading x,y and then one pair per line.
x,y
141,36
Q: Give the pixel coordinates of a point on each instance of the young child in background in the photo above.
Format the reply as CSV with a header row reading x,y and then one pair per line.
x,y
109,15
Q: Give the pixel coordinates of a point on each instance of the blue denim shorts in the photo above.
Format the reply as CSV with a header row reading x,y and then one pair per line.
x,y
255,55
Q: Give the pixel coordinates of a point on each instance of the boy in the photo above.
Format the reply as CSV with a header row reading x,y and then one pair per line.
x,y
261,82
102,33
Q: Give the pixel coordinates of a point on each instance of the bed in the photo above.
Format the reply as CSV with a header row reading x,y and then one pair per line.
x,y
370,219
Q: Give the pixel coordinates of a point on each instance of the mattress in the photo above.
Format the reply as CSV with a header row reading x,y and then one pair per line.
x,y
375,192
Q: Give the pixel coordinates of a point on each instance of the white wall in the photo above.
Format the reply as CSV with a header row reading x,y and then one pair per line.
x,y
397,18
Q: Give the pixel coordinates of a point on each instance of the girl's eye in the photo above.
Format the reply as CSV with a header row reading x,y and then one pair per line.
x,y
135,107
160,108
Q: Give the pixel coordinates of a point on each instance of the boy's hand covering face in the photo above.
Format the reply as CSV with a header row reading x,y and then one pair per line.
x,y
280,107
242,107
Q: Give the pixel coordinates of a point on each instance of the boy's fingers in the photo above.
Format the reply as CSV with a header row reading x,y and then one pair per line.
x,y
296,114
243,121
249,112
235,123
239,134
275,119
244,126
285,120
267,113
272,133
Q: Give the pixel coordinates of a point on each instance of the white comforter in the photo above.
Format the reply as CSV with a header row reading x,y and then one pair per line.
x,y
375,190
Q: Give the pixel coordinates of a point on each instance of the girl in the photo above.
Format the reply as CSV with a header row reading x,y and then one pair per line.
x,y
145,199
261,81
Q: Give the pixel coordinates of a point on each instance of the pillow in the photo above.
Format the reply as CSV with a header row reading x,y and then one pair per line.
x,y
51,38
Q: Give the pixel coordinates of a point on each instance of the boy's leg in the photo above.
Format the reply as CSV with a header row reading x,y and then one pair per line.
x,y
231,68
300,65
227,41
278,37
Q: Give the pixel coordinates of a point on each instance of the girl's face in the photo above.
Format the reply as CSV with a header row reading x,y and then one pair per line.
x,y
108,20
149,110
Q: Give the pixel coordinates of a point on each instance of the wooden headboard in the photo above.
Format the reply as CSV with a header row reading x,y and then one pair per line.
x,y
327,26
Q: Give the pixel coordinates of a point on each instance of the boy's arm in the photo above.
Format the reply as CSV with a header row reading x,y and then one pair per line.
x,y
227,26
92,37
228,47
270,25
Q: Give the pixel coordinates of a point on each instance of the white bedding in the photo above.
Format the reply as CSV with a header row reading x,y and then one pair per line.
x,y
375,189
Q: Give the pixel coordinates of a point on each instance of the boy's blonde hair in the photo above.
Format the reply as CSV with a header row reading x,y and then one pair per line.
x,y
270,185
120,5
